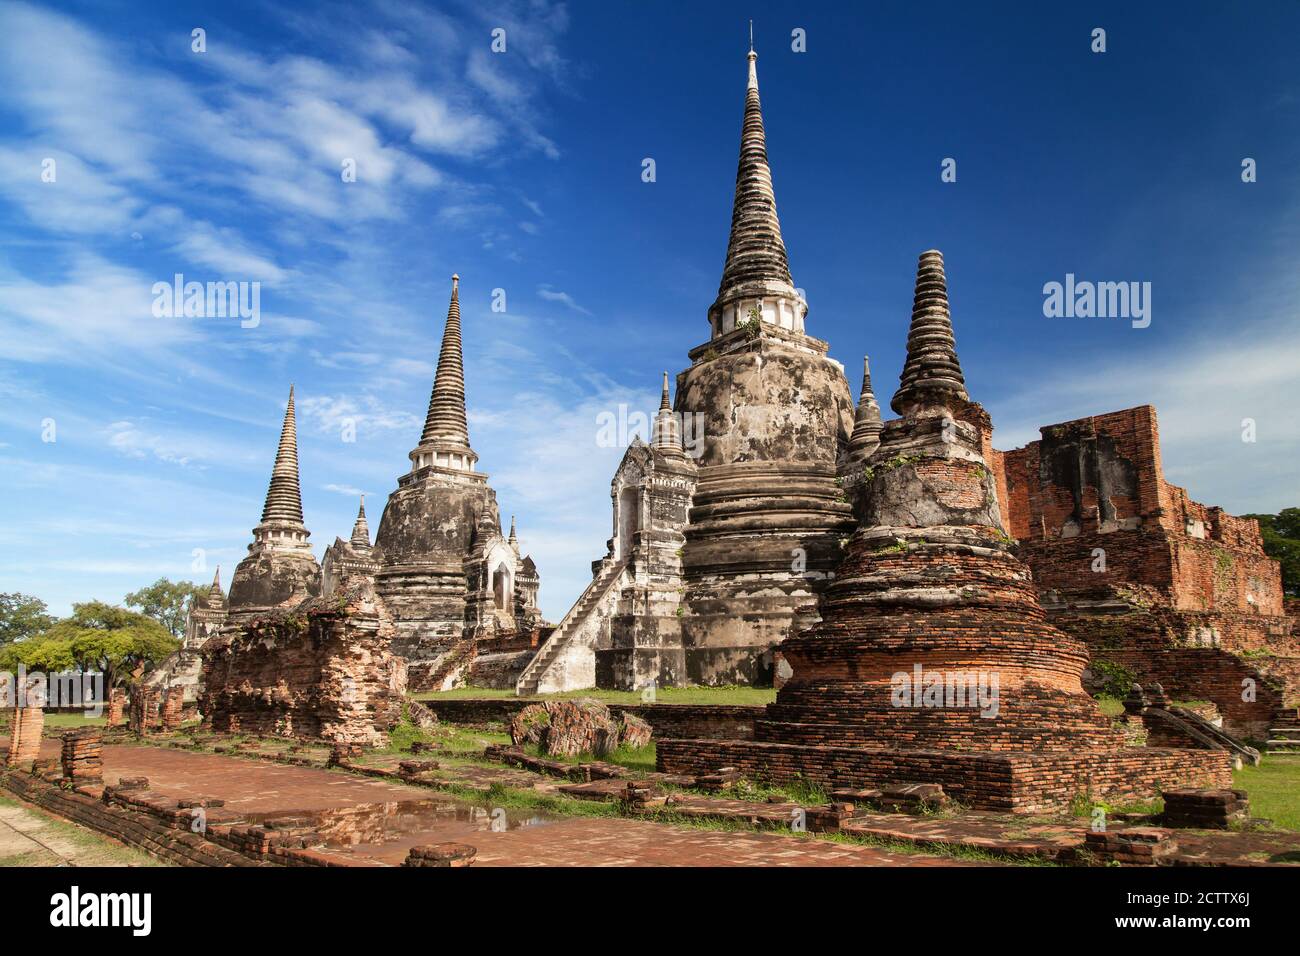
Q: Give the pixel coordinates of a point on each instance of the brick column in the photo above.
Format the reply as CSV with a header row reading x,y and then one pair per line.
x,y
171,709
83,756
116,707
25,725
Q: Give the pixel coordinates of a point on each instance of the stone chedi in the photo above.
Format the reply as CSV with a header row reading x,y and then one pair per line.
x,y
446,572
725,548
933,660
354,556
280,569
767,515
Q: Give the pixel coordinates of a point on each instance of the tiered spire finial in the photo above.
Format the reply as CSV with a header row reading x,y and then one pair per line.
x,y
514,538
667,436
866,423
283,496
932,376
361,530
445,439
216,597
756,264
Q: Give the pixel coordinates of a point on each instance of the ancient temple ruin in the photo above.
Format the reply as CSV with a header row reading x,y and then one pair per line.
x,y
280,569
446,571
1160,587
756,515
323,649
933,660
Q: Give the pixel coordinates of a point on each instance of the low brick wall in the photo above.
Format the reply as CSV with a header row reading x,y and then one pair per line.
x,y
157,825
694,721
135,829
1022,783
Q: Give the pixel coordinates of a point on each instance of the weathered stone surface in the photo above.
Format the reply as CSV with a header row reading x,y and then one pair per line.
x,y
1153,582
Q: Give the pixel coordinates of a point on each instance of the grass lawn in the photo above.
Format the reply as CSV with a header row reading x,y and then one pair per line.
x,y
749,696
1274,789
63,721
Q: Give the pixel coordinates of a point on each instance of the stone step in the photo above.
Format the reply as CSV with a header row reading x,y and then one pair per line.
x,y
1285,733
1283,746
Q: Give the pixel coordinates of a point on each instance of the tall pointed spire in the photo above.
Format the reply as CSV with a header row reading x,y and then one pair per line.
x,y
666,436
216,582
514,538
361,530
756,274
283,497
866,423
932,375
281,525
445,439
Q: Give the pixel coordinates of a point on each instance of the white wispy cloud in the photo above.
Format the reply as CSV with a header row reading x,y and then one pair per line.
x,y
554,295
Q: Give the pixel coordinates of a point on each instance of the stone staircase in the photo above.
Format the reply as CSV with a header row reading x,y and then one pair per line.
x,y
453,662
1209,733
1284,732
534,674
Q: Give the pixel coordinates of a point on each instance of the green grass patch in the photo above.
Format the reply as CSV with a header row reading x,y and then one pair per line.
x,y
1274,789
1110,706
745,696
64,721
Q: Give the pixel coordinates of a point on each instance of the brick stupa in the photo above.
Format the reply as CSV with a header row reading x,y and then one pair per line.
x,y
930,597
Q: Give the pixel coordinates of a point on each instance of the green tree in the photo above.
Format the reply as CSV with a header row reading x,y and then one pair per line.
x,y
96,637
167,602
21,617
1281,534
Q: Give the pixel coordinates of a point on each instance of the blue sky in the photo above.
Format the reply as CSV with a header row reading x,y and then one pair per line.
x,y
522,171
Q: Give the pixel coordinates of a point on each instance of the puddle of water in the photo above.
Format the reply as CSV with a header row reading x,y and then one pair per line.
x,y
380,823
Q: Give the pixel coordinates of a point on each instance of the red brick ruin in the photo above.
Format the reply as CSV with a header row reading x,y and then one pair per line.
x,y
1148,579
323,670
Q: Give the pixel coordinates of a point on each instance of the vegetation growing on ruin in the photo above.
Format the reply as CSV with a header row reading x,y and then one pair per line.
x,y
1281,533
751,326
1116,680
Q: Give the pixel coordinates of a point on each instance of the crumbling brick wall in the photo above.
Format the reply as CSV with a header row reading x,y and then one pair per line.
x,y
1143,574
143,716
321,670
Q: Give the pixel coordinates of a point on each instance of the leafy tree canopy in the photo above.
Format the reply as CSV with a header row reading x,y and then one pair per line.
x,y
167,602
22,616
96,637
